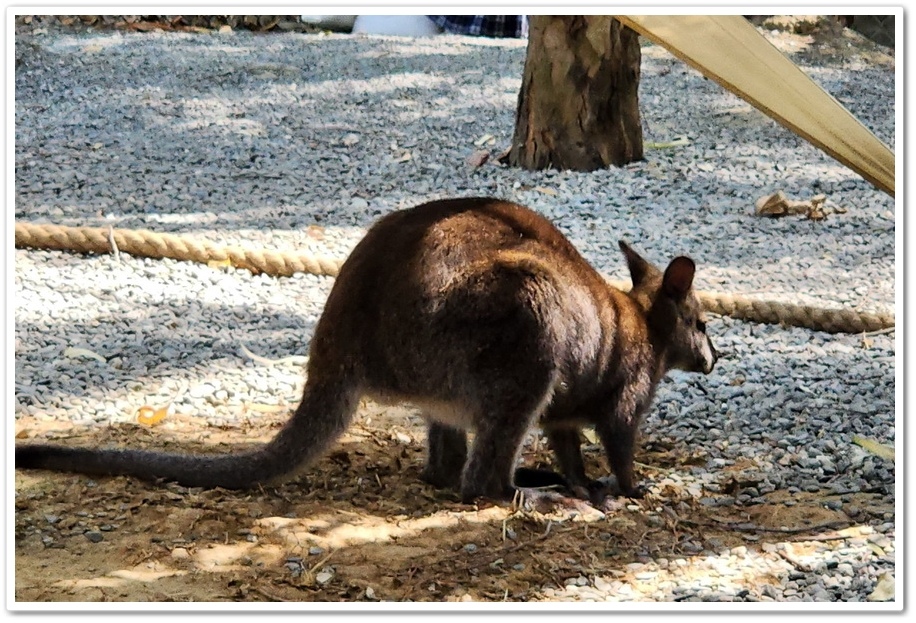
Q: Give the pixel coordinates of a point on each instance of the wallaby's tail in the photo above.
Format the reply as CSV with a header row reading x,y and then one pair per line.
x,y
321,417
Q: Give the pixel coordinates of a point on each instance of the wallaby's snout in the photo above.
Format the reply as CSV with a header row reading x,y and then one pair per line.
x,y
709,362
705,354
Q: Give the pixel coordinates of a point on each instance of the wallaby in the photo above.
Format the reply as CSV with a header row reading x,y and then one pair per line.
x,y
482,314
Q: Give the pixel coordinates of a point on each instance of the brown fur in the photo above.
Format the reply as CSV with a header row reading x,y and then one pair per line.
x,y
481,313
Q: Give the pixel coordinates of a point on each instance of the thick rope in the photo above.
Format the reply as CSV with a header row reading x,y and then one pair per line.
x,y
146,243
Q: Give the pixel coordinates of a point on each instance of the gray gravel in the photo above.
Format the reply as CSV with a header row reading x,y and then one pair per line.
x,y
244,138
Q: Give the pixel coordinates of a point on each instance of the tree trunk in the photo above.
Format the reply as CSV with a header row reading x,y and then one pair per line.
x,y
578,107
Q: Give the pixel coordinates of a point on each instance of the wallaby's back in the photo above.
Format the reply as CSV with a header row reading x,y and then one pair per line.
x,y
429,282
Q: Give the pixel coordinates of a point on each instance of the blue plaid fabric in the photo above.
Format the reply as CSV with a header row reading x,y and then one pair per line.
x,y
483,25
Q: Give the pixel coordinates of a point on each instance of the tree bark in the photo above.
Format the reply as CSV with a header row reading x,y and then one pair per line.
x,y
578,107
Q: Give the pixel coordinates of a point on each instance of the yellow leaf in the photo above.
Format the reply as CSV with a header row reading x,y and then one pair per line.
x,y
148,416
483,140
546,191
260,407
678,142
220,263
878,449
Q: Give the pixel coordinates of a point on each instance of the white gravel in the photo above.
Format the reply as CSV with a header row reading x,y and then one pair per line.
x,y
244,138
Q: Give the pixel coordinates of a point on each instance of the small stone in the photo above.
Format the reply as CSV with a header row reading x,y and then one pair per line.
x,y
201,390
470,548
602,585
180,553
315,550
323,577
819,594
646,575
94,535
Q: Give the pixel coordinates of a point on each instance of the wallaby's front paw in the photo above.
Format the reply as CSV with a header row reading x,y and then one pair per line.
x,y
618,500
505,495
636,492
441,478
598,491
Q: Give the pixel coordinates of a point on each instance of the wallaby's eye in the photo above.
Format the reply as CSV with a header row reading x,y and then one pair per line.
x,y
701,326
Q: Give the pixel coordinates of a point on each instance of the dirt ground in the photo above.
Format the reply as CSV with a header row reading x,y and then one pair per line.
x,y
360,525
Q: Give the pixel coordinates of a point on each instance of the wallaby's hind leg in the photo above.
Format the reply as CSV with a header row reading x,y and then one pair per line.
x,y
566,445
448,452
491,465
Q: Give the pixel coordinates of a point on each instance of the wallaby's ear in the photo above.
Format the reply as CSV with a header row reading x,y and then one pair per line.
x,y
678,277
639,268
